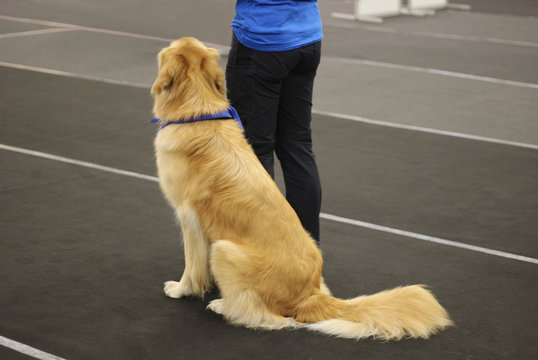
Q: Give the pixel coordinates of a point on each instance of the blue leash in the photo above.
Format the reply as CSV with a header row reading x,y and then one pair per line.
x,y
229,113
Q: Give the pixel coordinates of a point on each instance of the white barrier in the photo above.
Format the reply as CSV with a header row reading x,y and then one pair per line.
x,y
434,5
426,4
372,10
376,10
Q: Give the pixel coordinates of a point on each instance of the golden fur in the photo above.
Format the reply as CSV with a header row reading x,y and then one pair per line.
x,y
240,231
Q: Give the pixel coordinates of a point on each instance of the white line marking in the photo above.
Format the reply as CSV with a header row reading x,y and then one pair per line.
x,y
78,162
222,48
367,28
72,75
36,32
86,28
431,71
34,21
461,37
322,215
424,129
27,350
511,42
433,34
428,238
126,34
314,111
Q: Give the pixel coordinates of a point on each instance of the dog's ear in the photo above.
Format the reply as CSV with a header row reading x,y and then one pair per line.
x,y
213,72
170,66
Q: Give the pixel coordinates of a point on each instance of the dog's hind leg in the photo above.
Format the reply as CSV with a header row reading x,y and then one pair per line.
x,y
196,279
240,304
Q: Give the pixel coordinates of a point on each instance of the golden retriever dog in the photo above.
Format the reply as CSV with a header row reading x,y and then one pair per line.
x,y
240,232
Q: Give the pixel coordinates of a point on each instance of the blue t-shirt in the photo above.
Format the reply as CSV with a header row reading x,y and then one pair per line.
x,y
277,25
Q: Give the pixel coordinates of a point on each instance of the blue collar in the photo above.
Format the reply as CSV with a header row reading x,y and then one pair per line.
x,y
229,113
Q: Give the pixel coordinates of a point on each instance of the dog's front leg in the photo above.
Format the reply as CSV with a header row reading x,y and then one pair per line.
x,y
196,279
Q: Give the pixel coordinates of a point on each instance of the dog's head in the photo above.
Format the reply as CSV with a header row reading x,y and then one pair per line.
x,y
187,70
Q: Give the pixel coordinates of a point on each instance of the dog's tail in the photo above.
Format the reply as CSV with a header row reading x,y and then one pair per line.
x,y
410,311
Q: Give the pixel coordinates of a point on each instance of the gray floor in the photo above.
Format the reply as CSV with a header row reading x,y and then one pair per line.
x,y
423,125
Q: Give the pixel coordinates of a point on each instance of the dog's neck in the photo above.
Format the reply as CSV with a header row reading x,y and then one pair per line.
x,y
168,109
229,113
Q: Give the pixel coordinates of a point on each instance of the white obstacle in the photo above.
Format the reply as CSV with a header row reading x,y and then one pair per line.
x,y
376,10
372,10
434,5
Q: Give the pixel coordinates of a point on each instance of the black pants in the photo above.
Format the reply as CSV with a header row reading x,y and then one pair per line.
x,y
272,92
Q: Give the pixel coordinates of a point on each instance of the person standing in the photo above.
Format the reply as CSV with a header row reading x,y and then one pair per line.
x,y
275,53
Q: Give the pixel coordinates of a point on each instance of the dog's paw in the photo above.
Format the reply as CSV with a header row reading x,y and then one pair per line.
x,y
291,323
175,289
216,306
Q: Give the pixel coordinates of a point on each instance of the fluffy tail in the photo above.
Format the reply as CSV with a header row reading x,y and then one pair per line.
x,y
410,311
